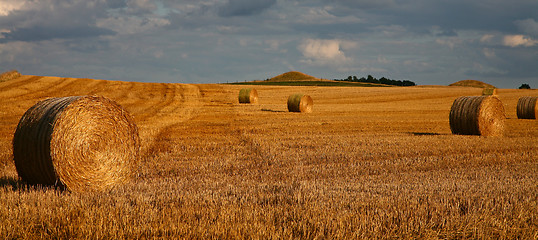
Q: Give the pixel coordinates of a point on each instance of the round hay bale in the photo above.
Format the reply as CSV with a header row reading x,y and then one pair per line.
x,y
489,91
9,75
80,143
248,95
477,115
527,108
300,103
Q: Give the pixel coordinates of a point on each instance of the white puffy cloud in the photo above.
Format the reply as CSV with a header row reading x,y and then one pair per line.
x,y
322,49
6,6
519,40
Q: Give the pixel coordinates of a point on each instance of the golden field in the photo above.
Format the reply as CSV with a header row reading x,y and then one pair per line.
x,y
376,162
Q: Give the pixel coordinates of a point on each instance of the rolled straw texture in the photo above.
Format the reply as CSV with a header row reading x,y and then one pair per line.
x,y
527,108
81,143
300,103
477,115
489,91
248,95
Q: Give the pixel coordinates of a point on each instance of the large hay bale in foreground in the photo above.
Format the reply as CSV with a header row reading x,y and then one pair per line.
x,y
477,115
81,143
489,91
248,95
527,108
300,103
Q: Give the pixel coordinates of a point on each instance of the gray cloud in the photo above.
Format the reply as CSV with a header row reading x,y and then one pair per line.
x,y
40,33
528,26
54,19
426,41
244,7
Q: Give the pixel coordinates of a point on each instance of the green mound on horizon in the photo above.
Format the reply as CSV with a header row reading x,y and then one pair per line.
x,y
471,83
293,76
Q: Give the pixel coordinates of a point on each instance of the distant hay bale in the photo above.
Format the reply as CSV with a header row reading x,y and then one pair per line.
x,y
80,143
527,108
477,115
248,95
6,76
300,103
489,91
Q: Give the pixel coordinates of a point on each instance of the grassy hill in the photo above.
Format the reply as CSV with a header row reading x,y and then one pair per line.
x,y
293,76
472,83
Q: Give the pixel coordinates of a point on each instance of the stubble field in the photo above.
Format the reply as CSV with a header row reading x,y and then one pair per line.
x,y
377,162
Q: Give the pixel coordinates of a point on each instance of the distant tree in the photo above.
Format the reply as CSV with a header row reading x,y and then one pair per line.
x,y
371,79
382,80
408,83
525,86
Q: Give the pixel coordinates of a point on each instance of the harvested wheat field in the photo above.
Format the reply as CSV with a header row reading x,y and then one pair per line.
x,y
377,162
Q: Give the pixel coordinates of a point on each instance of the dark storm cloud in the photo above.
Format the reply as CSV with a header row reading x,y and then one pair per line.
x,y
55,19
448,15
244,7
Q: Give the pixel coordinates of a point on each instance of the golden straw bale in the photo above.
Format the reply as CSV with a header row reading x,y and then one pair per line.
x,y
477,115
80,143
248,95
6,76
300,103
489,91
527,108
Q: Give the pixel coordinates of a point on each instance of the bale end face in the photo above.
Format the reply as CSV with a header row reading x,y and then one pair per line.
x,y
477,115
527,108
83,143
248,95
300,103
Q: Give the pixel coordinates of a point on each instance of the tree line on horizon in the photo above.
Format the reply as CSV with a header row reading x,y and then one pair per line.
x,y
382,80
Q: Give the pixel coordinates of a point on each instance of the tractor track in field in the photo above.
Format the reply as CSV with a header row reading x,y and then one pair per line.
x,y
17,82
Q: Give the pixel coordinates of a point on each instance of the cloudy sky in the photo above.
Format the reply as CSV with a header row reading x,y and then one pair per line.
x,y
215,41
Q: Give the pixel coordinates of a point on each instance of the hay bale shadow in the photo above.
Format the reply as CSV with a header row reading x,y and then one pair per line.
x,y
270,110
424,134
12,182
16,184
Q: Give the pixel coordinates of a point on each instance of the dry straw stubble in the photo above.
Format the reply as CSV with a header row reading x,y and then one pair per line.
x,y
477,115
81,143
248,95
527,108
300,103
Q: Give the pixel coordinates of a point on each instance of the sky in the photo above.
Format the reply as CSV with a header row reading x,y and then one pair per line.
x,y
430,42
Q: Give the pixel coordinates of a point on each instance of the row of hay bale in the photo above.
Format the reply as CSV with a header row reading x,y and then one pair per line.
x,y
485,116
296,102
91,143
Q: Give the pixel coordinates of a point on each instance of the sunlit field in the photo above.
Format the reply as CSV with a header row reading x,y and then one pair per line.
x,y
368,162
